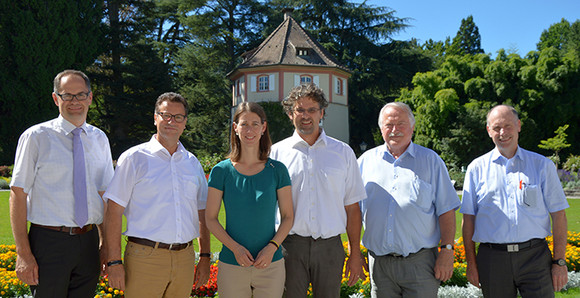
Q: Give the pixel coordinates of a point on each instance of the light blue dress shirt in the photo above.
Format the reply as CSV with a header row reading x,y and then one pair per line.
x,y
405,198
512,198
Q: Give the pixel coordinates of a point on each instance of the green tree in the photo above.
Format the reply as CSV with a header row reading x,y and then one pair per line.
x,y
38,39
556,143
129,76
218,33
467,40
556,36
359,35
543,87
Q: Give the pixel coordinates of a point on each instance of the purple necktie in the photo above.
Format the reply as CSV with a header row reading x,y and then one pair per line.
x,y
79,179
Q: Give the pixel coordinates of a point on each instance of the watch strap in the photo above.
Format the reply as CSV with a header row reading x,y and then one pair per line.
x,y
447,246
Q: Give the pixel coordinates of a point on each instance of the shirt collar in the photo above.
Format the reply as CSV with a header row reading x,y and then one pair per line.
x,y
410,150
68,127
496,155
157,147
322,140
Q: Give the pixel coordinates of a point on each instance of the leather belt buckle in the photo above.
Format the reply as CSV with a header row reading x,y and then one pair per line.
x,y
513,248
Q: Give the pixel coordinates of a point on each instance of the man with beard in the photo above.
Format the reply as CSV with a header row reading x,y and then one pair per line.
x,y
509,195
409,211
326,189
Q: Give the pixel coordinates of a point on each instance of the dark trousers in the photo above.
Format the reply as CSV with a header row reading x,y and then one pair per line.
x,y
503,273
316,261
68,265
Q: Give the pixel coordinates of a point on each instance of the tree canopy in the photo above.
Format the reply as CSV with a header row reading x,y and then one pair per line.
x,y
39,39
134,50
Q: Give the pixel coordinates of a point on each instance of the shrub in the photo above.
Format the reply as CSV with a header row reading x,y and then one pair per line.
x,y
572,164
6,171
209,161
568,179
458,176
4,184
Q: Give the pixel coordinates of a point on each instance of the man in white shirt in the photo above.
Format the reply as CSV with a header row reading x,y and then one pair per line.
x,y
59,256
162,190
326,189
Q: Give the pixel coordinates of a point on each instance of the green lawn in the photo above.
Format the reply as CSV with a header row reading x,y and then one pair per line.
x,y
573,214
6,231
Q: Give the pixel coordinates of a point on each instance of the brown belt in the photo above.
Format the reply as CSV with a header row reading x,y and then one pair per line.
x,y
173,246
69,230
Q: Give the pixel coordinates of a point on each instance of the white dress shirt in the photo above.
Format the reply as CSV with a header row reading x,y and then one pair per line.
x,y
325,178
161,193
43,167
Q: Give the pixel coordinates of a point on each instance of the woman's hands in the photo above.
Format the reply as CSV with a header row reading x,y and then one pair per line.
x,y
262,261
265,256
243,256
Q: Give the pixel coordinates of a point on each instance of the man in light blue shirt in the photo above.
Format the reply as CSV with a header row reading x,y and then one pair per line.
x,y
509,195
409,211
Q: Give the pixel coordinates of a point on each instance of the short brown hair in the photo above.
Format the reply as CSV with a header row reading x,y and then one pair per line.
x,y
265,141
171,97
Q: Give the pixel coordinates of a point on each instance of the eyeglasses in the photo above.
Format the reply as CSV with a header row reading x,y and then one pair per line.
x,y
69,97
309,110
167,116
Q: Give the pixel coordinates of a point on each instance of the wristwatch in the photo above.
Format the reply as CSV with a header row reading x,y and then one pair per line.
x,y
559,262
447,246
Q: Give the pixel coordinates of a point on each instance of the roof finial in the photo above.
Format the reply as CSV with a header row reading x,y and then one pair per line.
x,y
287,12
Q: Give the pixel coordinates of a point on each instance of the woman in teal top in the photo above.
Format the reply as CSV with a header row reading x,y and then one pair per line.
x,y
251,187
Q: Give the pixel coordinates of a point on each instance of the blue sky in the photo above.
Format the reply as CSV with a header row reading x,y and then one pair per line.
x,y
508,24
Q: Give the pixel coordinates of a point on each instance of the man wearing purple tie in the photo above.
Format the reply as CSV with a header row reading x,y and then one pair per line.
x,y
61,170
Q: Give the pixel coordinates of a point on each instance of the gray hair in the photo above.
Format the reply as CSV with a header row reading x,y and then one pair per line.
x,y
400,106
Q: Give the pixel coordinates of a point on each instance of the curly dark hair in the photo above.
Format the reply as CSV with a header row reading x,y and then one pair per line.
x,y
305,90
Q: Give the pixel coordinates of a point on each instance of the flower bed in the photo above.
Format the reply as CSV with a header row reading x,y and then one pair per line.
x,y
11,286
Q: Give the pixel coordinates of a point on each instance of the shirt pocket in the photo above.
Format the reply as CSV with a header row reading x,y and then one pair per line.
x,y
530,197
191,187
422,191
335,177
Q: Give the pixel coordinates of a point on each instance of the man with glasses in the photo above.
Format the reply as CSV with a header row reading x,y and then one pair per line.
x,y
61,170
161,189
326,189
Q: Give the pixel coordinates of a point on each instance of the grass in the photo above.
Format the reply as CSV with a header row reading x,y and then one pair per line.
x,y
6,230
573,214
